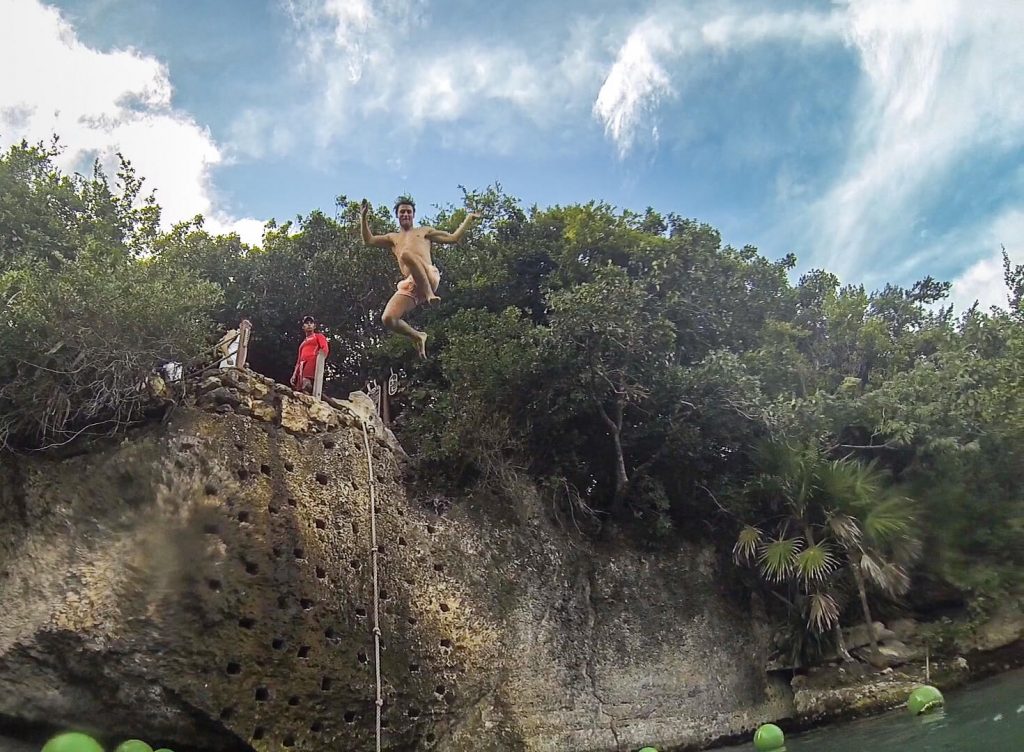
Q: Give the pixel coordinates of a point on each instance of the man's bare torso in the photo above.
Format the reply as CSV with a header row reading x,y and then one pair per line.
x,y
414,242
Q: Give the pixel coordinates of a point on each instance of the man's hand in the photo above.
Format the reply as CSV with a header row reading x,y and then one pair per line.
x,y
364,207
474,215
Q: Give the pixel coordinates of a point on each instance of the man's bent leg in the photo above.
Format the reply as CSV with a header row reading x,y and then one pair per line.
x,y
421,276
394,313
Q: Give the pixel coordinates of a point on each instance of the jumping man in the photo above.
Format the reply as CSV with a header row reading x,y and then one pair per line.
x,y
411,246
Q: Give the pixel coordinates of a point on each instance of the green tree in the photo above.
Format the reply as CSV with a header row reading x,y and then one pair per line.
x,y
86,308
826,520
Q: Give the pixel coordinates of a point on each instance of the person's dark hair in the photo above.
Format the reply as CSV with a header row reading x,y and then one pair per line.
x,y
404,200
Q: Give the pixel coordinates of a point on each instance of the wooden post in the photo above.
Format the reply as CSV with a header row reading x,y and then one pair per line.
x,y
385,408
244,327
318,379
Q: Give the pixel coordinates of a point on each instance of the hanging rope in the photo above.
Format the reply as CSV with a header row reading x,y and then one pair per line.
x,y
376,592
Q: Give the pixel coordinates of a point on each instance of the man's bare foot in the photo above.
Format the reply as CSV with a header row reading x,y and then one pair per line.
x,y
431,299
421,344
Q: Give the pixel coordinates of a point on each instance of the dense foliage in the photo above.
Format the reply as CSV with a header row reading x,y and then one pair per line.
x,y
631,365
87,307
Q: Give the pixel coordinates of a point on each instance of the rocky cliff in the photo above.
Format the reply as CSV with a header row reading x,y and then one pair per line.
x,y
206,582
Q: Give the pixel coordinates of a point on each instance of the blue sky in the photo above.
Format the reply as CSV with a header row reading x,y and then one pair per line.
x,y
877,138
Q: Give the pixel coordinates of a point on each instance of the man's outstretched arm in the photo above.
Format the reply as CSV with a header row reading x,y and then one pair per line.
x,y
440,236
381,241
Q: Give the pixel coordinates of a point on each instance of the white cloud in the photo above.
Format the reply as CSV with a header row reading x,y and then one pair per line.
x,y
941,82
661,50
386,70
635,84
983,280
100,103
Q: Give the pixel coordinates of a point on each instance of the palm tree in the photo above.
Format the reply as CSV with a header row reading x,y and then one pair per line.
x,y
829,519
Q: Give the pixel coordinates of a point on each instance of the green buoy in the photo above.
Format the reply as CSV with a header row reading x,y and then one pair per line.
x,y
768,737
924,699
72,742
133,745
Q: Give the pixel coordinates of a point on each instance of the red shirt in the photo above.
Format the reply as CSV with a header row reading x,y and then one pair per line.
x,y
307,353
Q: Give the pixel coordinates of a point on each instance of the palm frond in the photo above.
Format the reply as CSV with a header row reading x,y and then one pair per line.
x,y
888,577
822,612
778,558
815,563
745,549
888,519
843,528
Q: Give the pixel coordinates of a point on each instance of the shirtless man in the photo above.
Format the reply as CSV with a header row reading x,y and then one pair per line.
x,y
411,246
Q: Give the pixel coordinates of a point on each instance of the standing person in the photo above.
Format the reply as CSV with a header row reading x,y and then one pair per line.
x,y
411,247
305,364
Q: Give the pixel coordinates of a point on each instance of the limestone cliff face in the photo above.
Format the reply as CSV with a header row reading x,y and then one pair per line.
x,y
207,583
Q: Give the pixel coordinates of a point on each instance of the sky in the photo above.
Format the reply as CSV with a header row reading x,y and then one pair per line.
x,y
882,140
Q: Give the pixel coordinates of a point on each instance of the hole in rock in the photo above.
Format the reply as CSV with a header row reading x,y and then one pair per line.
x,y
293,502
265,469
321,573
445,607
431,529
361,612
414,712
439,567
276,550
288,741
210,489
401,541
322,479
306,603
257,733
446,643
277,643
243,516
213,584
243,474
412,620
211,528
226,713
362,657
325,683
247,622
355,529
289,466
414,668
329,633
320,524
282,602
316,727
380,548
303,652
293,701
384,595
355,563
439,689
252,567
350,716
239,446
430,738
298,553
328,444
272,508
262,694
233,668
384,723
